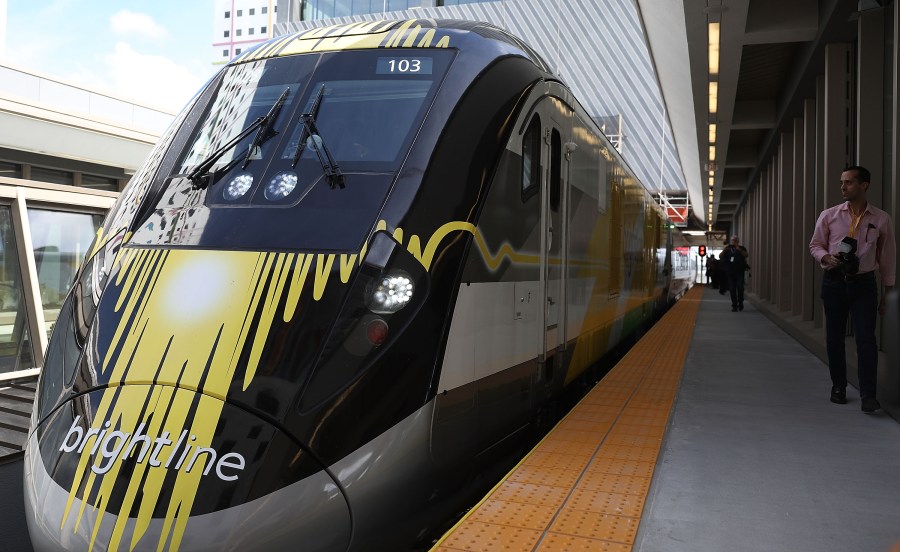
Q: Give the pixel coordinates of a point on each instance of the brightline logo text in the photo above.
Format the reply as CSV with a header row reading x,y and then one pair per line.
x,y
118,445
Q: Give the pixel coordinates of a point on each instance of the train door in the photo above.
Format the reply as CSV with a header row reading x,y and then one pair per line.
x,y
553,255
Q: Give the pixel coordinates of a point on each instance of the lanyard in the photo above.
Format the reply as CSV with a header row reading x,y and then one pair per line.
x,y
854,222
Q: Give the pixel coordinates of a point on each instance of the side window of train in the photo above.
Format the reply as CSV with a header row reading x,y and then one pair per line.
x,y
555,169
531,159
603,181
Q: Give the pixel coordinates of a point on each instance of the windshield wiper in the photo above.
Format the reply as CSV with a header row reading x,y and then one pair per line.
x,y
264,125
265,128
332,172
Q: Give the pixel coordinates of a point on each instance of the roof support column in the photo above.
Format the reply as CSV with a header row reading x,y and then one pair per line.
x,y
836,125
819,192
892,196
889,376
762,188
809,276
768,235
799,251
784,228
870,128
756,228
837,118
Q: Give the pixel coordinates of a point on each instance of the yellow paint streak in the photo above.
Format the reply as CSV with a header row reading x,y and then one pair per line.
x,y
131,400
411,39
152,484
427,256
99,242
296,288
101,505
397,35
323,270
426,40
347,263
350,36
270,308
209,411
131,276
218,381
142,270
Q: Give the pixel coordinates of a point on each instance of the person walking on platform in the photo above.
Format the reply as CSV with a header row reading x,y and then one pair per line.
x,y
851,241
711,277
734,261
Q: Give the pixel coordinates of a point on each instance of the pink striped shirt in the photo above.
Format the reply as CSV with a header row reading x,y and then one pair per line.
x,y
875,247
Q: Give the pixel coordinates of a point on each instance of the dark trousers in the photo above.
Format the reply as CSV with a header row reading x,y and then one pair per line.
x,y
858,299
736,287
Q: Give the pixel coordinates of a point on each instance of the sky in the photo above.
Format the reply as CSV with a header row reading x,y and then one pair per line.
x,y
156,53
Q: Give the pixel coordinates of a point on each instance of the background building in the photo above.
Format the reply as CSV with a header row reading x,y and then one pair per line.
x,y
240,24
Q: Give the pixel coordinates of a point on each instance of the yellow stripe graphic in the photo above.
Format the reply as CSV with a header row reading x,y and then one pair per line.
x,y
185,316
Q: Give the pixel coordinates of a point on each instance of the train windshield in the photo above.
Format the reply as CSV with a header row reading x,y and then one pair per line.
x,y
266,141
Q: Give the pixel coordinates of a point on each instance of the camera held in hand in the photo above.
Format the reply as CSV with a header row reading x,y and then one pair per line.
x,y
849,262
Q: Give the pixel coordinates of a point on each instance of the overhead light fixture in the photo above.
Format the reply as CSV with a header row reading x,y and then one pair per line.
x,y
713,48
713,97
712,133
712,181
712,153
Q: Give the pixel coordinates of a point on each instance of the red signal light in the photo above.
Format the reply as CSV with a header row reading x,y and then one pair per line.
x,y
701,250
377,331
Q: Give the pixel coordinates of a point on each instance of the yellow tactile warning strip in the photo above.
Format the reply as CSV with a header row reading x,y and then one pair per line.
x,y
583,487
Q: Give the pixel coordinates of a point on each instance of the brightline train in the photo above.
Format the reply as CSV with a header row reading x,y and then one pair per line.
x,y
362,259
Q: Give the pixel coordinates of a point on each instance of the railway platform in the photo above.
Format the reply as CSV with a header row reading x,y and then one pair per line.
x,y
715,432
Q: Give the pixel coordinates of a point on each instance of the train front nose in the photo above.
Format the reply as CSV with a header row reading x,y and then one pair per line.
x,y
157,467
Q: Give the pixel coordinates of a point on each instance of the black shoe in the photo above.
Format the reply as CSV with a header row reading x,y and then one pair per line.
x,y
733,308
839,396
870,404
741,306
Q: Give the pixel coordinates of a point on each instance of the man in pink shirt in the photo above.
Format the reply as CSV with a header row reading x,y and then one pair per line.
x,y
851,241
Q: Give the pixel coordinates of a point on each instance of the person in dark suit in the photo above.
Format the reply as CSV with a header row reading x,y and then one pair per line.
x,y
734,261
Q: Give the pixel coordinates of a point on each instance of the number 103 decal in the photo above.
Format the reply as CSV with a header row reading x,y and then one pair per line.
x,y
404,65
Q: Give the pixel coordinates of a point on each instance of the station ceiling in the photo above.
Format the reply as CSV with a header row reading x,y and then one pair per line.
x,y
770,55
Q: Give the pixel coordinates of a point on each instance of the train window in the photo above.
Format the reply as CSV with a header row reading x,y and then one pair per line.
x,y
555,170
244,96
256,187
531,159
381,112
603,177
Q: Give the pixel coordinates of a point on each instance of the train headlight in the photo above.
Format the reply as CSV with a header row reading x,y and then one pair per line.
x,y
237,187
390,293
281,185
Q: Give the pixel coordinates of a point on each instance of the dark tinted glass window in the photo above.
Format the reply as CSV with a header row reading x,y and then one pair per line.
x,y
369,106
531,158
555,169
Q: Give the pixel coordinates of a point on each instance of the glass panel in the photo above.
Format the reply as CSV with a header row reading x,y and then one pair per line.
x,y
99,182
53,176
10,170
531,164
60,240
15,345
555,169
